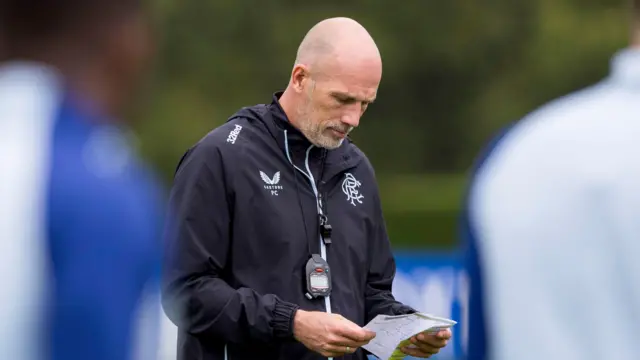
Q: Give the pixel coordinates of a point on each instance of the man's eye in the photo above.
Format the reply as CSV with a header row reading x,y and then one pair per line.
x,y
345,101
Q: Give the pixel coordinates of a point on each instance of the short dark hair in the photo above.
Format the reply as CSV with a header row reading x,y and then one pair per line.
x,y
34,20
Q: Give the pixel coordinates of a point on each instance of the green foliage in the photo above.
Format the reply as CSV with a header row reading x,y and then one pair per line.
x,y
423,229
454,72
422,211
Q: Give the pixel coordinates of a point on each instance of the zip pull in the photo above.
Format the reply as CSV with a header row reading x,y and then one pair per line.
x,y
325,229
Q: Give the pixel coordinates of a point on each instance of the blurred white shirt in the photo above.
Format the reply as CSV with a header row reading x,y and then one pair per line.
x,y
554,229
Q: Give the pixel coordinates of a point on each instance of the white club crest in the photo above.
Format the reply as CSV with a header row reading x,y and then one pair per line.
x,y
350,187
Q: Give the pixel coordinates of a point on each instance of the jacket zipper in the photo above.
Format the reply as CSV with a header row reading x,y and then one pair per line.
x,y
323,247
309,175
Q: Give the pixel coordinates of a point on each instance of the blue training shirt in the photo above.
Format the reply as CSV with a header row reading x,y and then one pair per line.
x,y
552,227
79,225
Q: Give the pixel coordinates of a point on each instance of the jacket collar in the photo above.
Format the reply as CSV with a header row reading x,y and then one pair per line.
x,y
279,118
336,160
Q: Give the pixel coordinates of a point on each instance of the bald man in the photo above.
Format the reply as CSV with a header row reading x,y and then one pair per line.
x,y
280,249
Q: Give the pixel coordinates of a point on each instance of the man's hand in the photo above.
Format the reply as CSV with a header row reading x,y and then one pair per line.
x,y
330,335
427,344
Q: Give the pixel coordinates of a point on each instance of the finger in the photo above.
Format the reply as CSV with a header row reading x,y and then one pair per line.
x,y
431,340
351,330
342,341
354,332
337,350
427,347
415,352
444,334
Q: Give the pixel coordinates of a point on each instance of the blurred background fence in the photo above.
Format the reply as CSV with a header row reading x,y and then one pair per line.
x,y
455,71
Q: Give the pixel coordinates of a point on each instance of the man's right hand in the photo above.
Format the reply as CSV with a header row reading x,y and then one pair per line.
x,y
330,335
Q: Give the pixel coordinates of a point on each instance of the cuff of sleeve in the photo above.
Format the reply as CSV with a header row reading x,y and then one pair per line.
x,y
283,315
405,310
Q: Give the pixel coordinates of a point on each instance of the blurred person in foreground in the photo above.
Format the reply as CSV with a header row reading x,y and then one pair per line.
x,y
278,185
553,227
78,211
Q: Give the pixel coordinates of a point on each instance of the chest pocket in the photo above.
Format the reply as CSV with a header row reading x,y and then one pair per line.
x,y
269,225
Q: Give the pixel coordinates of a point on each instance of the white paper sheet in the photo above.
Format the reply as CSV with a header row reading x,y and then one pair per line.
x,y
393,332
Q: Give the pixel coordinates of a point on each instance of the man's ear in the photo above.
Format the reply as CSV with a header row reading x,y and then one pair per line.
x,y
300,77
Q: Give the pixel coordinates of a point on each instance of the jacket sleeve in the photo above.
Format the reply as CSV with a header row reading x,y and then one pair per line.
x,y
195,295
382,269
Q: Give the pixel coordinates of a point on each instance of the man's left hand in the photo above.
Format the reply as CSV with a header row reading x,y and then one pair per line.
x,y
427,344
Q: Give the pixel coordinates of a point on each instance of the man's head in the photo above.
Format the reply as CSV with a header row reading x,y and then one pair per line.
x,y
99,46
335,77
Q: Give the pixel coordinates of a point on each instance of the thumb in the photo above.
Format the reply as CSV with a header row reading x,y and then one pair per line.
x,y
368,335
355,332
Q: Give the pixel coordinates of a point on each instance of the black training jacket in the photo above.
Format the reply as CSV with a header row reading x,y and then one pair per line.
x,y
245,220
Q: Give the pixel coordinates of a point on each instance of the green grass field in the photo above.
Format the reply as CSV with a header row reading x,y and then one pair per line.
x,y
422,211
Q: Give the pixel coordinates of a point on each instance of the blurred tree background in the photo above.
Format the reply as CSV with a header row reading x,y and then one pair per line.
x,y
455,71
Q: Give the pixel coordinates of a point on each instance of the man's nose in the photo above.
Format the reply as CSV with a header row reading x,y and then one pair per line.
x,y
351,118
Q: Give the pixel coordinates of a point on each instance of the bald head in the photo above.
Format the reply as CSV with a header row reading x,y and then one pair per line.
x,y
337,39
336,76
